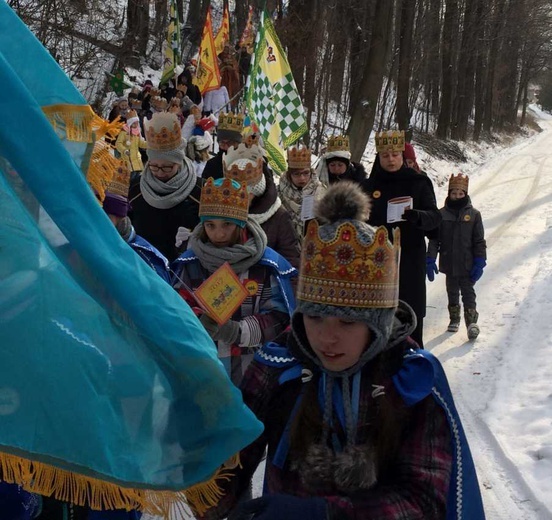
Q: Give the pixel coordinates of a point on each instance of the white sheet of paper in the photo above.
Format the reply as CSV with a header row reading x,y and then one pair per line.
x,y
307,208
396,207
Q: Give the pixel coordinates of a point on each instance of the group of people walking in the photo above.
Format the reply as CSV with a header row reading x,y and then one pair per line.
x,y
327,346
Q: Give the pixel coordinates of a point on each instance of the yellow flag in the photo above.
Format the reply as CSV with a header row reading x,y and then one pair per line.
x,y
223,34
207,75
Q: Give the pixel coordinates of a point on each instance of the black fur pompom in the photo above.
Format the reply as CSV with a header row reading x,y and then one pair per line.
x,y
343,200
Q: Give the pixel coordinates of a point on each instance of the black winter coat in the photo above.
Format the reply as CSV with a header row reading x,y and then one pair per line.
x,y
461,239
213,167
382,186
159,226
355,172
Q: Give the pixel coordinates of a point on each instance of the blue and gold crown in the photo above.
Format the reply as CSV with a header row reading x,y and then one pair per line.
x,y
224,199
344,272
390,141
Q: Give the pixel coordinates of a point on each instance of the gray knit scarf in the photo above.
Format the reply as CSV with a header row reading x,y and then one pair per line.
x,y
166,195
240,256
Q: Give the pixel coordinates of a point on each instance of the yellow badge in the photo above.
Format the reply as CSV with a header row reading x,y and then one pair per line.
x,y
467,218
376,194
251,287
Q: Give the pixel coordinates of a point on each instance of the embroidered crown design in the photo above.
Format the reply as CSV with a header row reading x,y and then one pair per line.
x,y
299,158
390,141
224,201
231,121
120,181
345,272
163,131
338,143
243,164
459,181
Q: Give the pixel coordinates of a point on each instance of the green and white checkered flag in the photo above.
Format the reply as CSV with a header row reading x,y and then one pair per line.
x,y
273,101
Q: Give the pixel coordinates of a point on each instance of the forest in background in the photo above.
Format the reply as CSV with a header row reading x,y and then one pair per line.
x,y
458,69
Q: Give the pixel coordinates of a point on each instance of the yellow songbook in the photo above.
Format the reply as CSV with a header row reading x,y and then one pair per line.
x,y
221,294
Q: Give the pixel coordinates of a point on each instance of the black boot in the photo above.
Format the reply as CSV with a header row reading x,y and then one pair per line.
x,y
471,315
454,313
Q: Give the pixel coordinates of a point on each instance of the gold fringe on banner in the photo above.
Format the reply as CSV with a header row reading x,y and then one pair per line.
x,y
79,123
45,479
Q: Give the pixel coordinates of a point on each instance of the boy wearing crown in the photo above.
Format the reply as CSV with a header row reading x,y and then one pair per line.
x,y
229,135
359,423
462,253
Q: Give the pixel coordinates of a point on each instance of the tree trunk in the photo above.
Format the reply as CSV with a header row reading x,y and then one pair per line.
x,y
364,110
408,8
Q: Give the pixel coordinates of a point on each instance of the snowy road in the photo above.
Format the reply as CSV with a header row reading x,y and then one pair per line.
x,y
503,382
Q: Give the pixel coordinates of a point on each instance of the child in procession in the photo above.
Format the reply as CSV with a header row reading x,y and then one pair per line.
x,y
462,253
359,422
226,234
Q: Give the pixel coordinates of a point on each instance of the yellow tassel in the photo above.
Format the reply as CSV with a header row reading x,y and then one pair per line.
x,y
67,486
79,123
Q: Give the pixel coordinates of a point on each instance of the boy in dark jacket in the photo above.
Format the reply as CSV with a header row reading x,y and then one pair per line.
x,y
462,249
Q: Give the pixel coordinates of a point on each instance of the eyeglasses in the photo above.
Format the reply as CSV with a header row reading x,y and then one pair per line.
x,y
301,174
165,169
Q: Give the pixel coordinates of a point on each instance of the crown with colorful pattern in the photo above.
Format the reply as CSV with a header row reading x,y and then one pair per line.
x,y
338,143
243,164
121,180
230,121
163,132
459,182
224,199
344,272
299,158
390,141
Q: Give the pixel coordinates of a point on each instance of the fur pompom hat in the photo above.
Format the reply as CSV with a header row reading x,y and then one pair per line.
x,y
349,269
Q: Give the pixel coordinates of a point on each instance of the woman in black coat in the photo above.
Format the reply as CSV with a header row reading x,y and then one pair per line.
x,y
391,178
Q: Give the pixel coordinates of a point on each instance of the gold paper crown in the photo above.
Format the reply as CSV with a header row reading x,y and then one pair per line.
x,y
243,164
391,141
345,272
459,181
224,201
121,180
154,92
135,103
159,103
163,131
338,143
130,114
299,158
231,121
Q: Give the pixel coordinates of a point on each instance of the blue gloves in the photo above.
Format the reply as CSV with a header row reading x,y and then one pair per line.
x,y
431,268
279,507
477,268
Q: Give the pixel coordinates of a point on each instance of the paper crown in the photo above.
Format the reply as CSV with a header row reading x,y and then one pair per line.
x,y
391,141
344,272
121,180
154,92
299,158
163,132
229,200
338,143
459,182
230,121
243,164
159,103
251,138
132,114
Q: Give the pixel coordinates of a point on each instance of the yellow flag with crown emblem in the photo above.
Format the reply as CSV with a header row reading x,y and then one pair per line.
x,y
207,75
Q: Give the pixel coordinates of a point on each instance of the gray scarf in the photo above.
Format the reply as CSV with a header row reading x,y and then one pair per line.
x,y
240,256
166,195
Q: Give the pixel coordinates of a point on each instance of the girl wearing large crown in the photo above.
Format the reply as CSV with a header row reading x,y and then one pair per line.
x,y
359,422
226,234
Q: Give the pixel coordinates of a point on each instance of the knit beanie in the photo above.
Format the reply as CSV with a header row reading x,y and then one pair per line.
x,y
349,269
164,138
409,152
